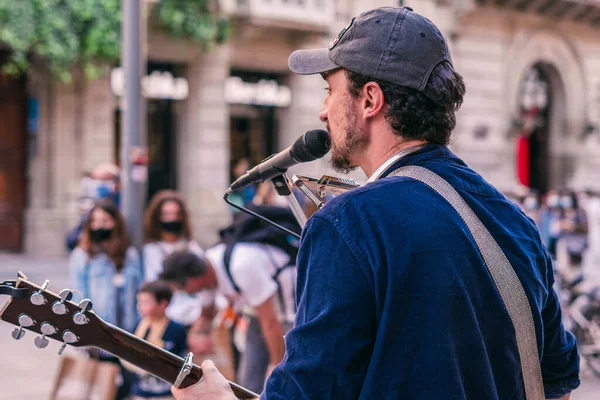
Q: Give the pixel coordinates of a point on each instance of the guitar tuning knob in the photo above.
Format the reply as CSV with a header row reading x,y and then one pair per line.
x,y
46,329
68,338
59,306
79,317
25,321
18,333
38,298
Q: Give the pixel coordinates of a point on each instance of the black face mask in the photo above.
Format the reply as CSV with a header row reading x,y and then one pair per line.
x,y
172,226
100,235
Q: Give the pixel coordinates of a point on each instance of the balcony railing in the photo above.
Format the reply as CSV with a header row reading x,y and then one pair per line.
x,y
312,15
582,11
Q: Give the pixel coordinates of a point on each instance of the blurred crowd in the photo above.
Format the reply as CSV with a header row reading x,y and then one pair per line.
x,y
569,226
232,302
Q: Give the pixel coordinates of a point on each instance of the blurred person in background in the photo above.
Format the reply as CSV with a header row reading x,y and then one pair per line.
x,y
168,229
572,242
549,221
185,272
531,206
593,218
254,265
107,270
102,183
156,328
246,195
266,194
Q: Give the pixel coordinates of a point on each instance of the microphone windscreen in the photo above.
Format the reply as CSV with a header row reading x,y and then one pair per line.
x,y
312,145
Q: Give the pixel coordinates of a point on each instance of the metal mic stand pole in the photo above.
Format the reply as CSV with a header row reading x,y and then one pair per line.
x,y
283,186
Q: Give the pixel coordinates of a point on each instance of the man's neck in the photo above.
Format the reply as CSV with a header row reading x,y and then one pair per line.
x,y
157,319
377,155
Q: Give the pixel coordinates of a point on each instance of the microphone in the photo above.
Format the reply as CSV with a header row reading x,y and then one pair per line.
x,y
308,147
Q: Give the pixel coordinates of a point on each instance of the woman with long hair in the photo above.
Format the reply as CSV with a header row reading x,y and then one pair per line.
x,y
105,268
168,229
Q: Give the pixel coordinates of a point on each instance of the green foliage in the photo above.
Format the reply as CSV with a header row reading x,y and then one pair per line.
x,y
65,34
194,19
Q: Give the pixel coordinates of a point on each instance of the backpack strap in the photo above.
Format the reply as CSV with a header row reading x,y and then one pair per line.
x,y
503,275
275,277
227,264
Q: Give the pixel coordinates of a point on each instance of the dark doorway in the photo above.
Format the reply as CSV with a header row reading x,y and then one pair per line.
x,y
161,137
12,162
252,133
535,112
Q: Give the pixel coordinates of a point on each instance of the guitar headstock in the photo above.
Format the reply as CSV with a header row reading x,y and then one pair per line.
x,y
35,308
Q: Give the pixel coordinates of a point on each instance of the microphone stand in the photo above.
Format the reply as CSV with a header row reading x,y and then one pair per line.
x,y
283,187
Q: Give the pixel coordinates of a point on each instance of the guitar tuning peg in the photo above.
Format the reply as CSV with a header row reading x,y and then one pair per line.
x,y
18,333
68,338
38,298
46,329
25,321
79,317
59,306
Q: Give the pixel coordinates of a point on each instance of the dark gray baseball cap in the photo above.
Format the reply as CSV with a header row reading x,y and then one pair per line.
x,y
390,44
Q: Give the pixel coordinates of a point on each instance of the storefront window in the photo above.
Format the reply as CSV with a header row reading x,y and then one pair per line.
x,y
161,128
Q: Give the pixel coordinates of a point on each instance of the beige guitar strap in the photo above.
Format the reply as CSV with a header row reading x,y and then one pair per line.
x,y
504,277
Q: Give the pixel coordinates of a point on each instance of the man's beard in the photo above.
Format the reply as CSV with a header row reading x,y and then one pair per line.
x,y
355,140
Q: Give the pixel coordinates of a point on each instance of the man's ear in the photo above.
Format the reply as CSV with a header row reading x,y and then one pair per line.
x,y
373,100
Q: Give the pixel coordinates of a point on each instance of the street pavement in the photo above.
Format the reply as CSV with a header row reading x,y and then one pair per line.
x,y
27,372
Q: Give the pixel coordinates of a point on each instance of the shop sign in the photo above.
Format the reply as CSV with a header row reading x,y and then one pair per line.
x,y
157,85
263,93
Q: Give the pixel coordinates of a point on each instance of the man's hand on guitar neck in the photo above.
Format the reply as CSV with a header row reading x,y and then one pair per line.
x,y
212,386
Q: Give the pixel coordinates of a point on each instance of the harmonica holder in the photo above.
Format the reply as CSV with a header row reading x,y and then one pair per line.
x,y
318,189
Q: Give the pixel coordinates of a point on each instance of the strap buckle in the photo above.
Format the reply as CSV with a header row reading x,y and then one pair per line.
x,y
9,288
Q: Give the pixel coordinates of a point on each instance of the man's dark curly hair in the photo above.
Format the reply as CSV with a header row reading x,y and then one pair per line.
x,y
413,115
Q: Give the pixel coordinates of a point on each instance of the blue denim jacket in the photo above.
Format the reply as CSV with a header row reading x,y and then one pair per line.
x,y
395,302
95,279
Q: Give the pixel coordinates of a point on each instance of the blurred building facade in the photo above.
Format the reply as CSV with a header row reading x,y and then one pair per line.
x,y
531,113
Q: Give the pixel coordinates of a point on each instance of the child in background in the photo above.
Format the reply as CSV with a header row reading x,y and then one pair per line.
x,y
154,327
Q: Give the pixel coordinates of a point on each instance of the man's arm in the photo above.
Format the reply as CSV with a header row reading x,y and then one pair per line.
x,y
329,349
272,332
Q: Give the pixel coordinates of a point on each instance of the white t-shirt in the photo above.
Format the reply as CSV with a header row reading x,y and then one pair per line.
x,y
154,254
252,267
183,308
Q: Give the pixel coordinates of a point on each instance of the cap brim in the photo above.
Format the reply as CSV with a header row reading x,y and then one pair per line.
x,y
308,62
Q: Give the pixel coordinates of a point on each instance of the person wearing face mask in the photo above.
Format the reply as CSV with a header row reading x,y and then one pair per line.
x,y
549,221
573,238
168,229
102,183
531,206
107,270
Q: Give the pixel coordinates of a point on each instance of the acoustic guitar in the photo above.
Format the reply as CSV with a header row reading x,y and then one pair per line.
x,y
55,316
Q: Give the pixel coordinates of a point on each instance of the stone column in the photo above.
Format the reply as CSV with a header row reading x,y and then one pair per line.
x,y
203,144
